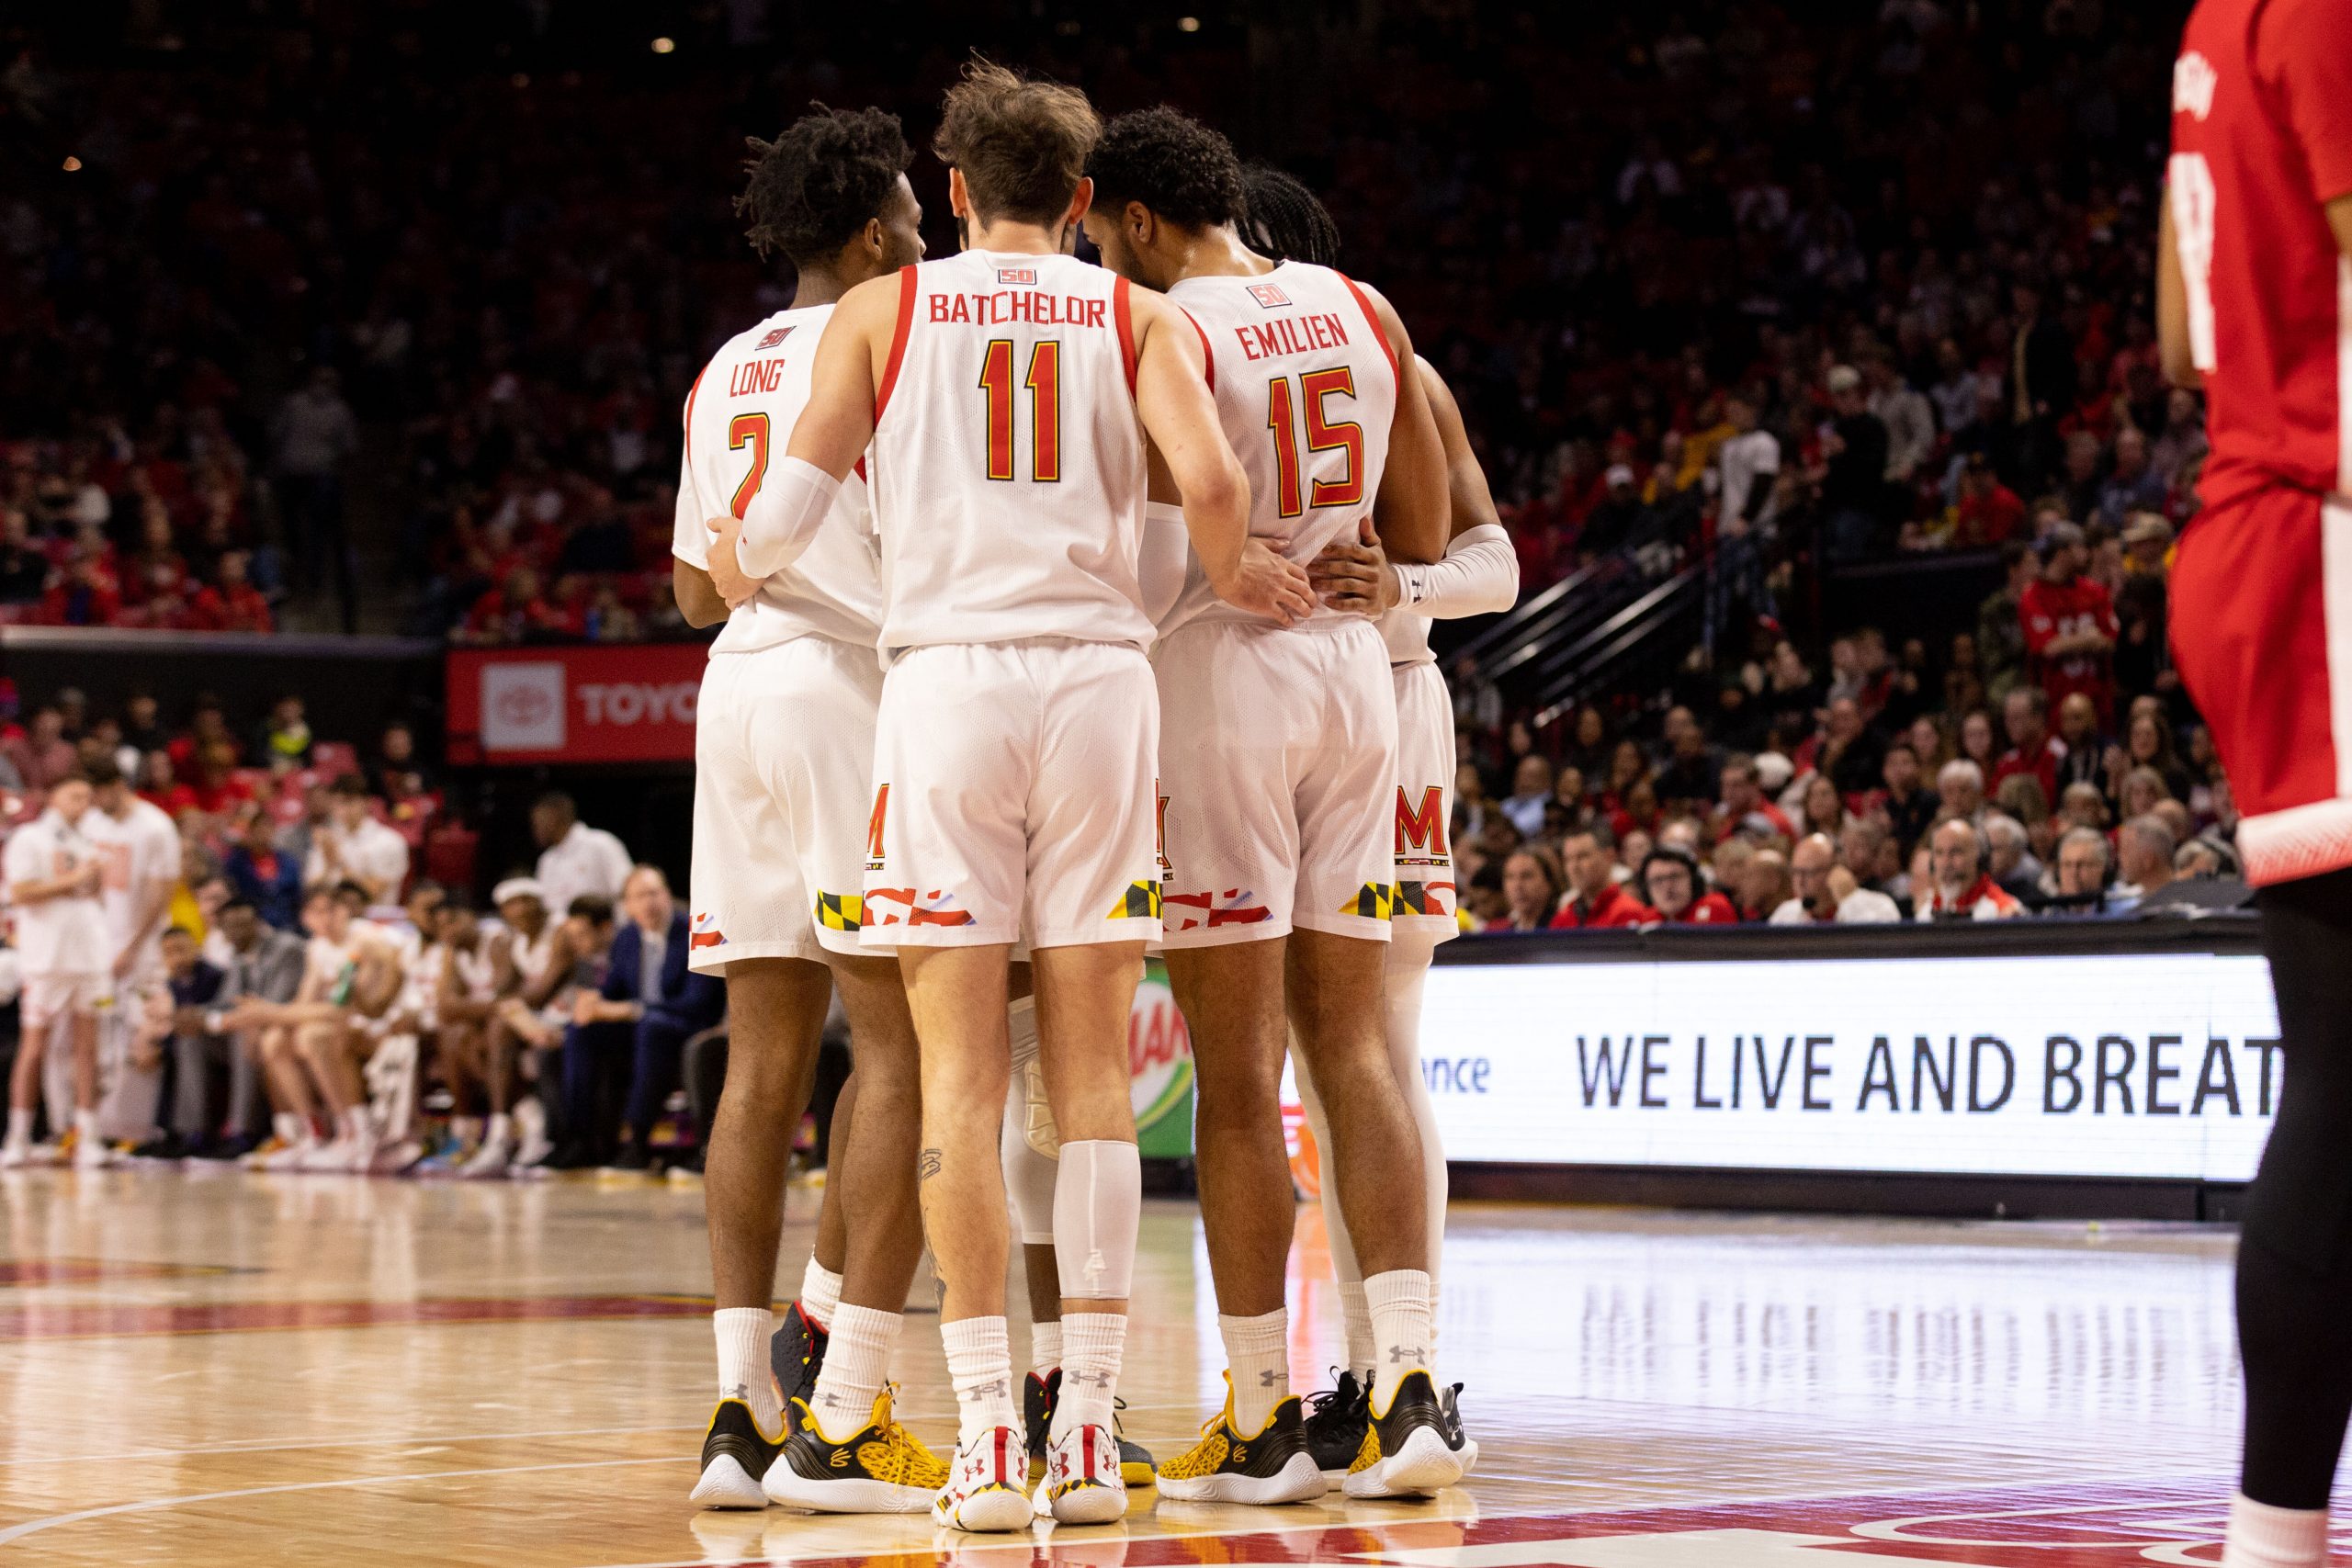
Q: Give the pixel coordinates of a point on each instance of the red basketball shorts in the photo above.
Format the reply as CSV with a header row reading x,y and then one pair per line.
x,y
2261,610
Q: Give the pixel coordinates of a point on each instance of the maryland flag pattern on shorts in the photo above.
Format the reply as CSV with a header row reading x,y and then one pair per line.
x,y
1374,902
1139,902
840,911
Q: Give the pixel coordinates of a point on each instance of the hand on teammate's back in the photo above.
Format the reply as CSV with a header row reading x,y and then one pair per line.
x,y
1266,583
726,574
1352,575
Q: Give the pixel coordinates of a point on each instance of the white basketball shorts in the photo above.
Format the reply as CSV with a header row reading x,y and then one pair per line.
x,y
1425,890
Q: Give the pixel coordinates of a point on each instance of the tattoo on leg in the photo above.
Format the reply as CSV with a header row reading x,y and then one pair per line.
x,y
928,1165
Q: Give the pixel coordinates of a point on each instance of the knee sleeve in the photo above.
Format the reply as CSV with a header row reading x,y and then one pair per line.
x,y
1097,1201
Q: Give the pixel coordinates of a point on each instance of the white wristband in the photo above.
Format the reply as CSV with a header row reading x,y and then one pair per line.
x,y
792,503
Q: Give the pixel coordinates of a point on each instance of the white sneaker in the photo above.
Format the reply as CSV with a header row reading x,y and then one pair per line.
x,y
532,1143
394,1159
14,1157
988,1485
492,1159
1082,1485
92,1154
345,1154
293,1156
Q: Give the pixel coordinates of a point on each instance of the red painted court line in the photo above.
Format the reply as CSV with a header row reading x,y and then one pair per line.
x,y
66,1321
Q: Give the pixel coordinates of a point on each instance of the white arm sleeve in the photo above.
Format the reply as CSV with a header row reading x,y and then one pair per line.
x,y
783,519
1478,576
1167,557
690,532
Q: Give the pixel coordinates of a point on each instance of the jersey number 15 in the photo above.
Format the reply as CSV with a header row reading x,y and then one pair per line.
x,y
1323,434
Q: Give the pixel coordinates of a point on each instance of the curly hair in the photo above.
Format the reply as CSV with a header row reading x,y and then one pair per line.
x,y
1020,143
1182,170
819,182
1282,219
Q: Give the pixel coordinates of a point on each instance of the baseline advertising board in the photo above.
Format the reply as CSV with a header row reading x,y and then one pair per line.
x,y
2087,1065
631,703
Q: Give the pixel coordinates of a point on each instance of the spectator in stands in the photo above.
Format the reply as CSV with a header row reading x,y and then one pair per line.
x,y
231,603
2203,860
1743,802
649,1004
2070,625
1764,886
2139,793
24,570
42,755
352,847
1904,411
1470,804
1530,890
2011,862
1999,646
1961,887
2082,860
2143,851
397,772
1530,789
1594,898
2033,751
1852,477
1670,881
2132,485
2083,805
285,735
2079,732
2148,743
1909,808
1824,808
1822,892
575,860
1961,786
1694,770
315,433
260,875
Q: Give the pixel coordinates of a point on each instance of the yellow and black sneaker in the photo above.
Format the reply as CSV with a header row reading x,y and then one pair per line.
x,y
881,1468
795,1355
1136,1467
736,1456
1449,1400
1335,1420
1407,1449
1227,1465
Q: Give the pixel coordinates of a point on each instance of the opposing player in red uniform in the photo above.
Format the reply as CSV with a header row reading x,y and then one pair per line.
x,y
2254,304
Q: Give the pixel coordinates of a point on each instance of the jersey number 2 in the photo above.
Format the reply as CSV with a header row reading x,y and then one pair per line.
x,y
1045,384
1323,434
751,428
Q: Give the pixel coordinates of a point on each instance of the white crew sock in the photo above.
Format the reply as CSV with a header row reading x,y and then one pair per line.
x,y
1401,1315
820,1294
290,1127
501,1129
1097,1342
20,1127
85,1128
857,1365
1044,1348
1362,1355
2263,1537
1257,1351
980,1363
744,1360
354,1125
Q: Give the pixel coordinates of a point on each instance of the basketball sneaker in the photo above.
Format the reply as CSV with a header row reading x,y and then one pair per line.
x,y
1336,1419
795,1355
1228,1465
881,1468
735,1456
1037,1395
1083,1484
1449,1401
1406,1452
986,1488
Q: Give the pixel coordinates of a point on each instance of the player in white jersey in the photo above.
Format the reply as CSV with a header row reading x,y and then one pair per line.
x,y
1007,393
54,871
784,745
140,850
1479,575
1278,753
534,944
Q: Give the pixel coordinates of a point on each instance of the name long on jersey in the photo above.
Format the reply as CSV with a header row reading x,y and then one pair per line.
x,y
738,419
1305,387
1008,458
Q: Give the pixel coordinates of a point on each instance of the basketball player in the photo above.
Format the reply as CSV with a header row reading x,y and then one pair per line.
x,y
1279,812
1007,392
2253,305
54,873
1478,576
139,849
535,947
783,742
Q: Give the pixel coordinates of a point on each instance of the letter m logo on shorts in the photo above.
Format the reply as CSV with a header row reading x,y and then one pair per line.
x,y
1422,828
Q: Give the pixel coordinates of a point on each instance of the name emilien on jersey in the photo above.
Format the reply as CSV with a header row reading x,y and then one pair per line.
x,y
1292,335
1009,305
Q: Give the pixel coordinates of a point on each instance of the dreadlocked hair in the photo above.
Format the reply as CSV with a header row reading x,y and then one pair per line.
x,y
1180,169
819,183
1281,218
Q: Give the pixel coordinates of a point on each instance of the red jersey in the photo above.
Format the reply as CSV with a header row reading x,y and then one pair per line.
x,y
1612,906
1706,910
2262,139
2049,610
2042,763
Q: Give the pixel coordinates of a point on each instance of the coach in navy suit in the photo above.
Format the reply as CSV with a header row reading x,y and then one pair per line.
x,y
650,1005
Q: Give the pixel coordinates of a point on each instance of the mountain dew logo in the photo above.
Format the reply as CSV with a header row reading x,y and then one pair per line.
x,y
1160,1060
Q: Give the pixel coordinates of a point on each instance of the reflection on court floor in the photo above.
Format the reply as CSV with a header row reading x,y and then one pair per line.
x,y
232,1369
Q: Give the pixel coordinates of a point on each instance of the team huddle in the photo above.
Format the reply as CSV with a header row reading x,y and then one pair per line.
x,y
1069,611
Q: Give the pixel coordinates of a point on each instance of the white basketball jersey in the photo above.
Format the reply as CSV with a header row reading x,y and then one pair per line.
x,y
1408,637
739,420
1007,461
1307,387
